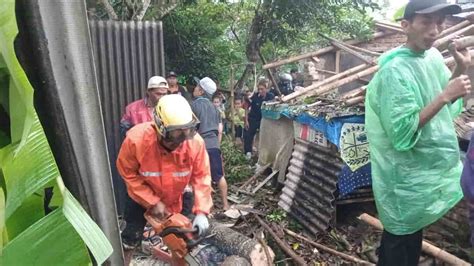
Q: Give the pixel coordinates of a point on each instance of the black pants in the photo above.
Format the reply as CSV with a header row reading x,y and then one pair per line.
x,y
135,221
249,134
400,250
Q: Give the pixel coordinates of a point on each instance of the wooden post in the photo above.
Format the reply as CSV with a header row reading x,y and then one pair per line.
x,y
337,67
232,107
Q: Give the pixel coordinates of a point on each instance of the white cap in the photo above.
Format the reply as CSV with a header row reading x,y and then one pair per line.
x,y
208,85
157,82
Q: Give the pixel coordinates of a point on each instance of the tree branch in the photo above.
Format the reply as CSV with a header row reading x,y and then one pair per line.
x,y
142,11
109,9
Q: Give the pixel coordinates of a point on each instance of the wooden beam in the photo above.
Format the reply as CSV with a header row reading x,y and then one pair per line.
x,y
323,82
442,44
264,182
426,247
337,64
391,28
319,52
270,74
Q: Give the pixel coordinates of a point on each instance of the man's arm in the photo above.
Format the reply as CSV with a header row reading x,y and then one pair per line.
x,y
220,130
456,88
128,167
125,123
201,180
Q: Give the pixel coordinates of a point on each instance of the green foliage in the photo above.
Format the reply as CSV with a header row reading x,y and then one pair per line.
x,y
236,167
198,40
277,216
27,166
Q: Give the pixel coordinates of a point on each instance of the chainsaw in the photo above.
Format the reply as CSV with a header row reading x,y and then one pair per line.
x,y
178,235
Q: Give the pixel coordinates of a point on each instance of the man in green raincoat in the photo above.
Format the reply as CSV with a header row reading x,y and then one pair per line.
x,y
410,107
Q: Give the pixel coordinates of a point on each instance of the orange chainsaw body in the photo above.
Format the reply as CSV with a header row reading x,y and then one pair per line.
x,y
174,240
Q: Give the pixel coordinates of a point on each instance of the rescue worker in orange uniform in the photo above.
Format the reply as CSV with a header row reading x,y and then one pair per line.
x,y
157,160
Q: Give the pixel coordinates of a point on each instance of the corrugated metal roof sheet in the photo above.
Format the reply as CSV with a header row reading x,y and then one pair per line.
x,y
311,184
126,55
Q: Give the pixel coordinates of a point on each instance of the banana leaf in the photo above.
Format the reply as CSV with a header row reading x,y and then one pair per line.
x,y
27,166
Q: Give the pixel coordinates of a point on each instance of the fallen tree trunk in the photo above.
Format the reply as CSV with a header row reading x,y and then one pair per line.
x,y
232,242
328,250
426,247
318,52
297,259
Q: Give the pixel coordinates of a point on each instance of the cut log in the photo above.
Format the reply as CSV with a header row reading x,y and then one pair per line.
x,y
328,250
426,247
318,52
232,242
235,261
442,44
297,259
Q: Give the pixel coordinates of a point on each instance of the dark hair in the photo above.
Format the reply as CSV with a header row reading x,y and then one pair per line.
x,y
293,70
263,82
216,96
238,98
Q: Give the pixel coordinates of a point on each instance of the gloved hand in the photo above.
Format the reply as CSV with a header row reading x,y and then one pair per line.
x,y
201,223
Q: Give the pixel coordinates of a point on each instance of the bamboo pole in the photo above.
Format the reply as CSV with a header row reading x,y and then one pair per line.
x,y
327,88
324,82
469,20
388,27
352,52
354,101
442,44
325,71
318,52
389,23
328,249
270,74
426,247
356,48
297,259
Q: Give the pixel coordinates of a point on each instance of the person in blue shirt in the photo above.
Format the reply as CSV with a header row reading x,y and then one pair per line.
x,y
253,115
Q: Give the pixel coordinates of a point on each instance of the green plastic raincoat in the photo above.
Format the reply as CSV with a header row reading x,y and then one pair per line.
x,y
415,173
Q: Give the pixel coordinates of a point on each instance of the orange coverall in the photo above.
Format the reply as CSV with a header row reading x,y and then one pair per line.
x,y
153,174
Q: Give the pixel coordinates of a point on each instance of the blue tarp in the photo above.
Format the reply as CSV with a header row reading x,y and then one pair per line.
x,y
330,129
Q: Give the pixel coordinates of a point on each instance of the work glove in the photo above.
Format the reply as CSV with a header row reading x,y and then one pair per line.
x,y
201,223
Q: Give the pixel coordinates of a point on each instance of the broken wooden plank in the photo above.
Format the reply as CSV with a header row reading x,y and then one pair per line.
x,y
328,249
257,174
297,259
257,188
426,247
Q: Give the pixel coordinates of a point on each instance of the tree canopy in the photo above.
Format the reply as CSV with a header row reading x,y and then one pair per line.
x,y
204,37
